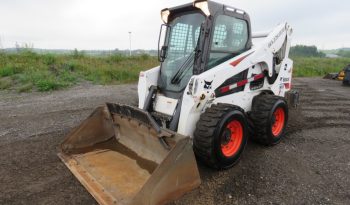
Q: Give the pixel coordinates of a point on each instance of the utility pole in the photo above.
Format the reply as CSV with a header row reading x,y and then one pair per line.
x,y
1,44
129,43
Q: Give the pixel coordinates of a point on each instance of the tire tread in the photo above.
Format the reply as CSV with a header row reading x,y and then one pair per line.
x,y
205,130
261,108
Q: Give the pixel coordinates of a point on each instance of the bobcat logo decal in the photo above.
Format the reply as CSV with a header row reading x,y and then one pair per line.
x,y
207,85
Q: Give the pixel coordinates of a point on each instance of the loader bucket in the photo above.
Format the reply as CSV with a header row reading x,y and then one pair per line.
x,y
121,156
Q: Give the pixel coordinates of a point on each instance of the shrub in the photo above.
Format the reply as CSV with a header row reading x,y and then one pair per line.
x,y
47,84
7,71
49,59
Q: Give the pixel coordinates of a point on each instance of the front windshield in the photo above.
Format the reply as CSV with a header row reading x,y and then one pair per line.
x,y
182,37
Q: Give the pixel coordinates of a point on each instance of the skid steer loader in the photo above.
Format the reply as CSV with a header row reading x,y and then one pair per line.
x,y
214,88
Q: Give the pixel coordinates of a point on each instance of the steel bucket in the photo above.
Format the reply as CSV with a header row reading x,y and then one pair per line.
x,y
121,156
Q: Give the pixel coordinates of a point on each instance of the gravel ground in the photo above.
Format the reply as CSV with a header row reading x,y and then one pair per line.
x,y
310,166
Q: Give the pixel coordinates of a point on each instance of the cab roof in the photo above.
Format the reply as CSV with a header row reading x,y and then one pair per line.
x,y
214,9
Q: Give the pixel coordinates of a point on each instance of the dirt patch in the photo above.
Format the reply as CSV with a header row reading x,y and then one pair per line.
x,y
310,166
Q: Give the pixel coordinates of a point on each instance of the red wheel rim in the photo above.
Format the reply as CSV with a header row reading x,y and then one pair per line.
x,y
278,124
232,138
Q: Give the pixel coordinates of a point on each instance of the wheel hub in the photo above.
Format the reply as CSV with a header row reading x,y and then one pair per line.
x,y
226,137
232,138
278,121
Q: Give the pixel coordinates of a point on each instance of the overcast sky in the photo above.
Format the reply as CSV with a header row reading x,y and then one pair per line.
x,y
104,24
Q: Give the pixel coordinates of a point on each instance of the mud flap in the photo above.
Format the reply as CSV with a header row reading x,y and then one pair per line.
x,y
292,98
121,156
294,107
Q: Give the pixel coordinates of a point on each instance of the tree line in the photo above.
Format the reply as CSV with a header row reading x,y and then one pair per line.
x,y
306,51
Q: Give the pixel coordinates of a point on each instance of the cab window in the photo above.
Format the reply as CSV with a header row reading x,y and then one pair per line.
x,y
229,39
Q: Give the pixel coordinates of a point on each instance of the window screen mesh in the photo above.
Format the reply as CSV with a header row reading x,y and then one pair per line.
x,y
229,39
220,35
178,37
230,34
238,30
181,41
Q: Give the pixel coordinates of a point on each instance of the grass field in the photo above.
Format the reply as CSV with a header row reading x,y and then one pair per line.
x,y
27,71
30,71
310,67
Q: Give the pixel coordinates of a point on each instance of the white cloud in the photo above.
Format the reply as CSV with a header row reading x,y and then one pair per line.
x,y
104,24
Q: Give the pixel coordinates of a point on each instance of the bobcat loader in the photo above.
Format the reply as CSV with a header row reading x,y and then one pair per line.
x,y
213,89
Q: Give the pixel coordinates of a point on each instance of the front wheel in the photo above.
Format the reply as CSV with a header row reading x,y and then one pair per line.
x,y
220,136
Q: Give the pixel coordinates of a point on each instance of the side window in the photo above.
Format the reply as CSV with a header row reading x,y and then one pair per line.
x,y
229,39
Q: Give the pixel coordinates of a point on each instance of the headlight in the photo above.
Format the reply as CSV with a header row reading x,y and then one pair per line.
x,y
195,88
190,87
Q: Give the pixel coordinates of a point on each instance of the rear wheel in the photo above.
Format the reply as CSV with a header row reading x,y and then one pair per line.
x,y
220,136
269,115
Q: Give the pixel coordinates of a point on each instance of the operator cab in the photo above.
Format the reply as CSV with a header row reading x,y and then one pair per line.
x,y
197,37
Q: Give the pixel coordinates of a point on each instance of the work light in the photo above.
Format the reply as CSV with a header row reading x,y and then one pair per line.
x,y
202,5
165,14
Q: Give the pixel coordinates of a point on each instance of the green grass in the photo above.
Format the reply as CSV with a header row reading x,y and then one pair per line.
x,y
5,83
312,67
27,71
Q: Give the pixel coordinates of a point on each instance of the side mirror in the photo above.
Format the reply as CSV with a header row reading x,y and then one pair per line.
x,y
163,40
163,53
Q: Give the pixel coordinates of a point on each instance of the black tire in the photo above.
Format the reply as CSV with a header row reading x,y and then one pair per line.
x,y
265,110
216,130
